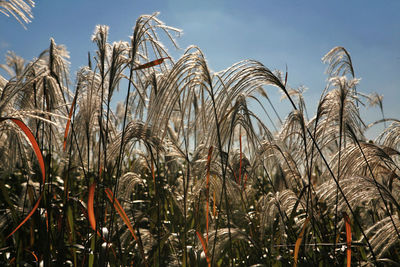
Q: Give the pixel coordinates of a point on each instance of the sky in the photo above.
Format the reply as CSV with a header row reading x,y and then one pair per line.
x,y
292,33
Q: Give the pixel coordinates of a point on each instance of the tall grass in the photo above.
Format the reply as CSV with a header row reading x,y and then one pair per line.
x,y
182,172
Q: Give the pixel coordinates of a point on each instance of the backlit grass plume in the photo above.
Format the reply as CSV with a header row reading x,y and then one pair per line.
x,y
190,167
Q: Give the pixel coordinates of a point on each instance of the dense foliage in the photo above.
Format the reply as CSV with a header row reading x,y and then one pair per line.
x,y
182,172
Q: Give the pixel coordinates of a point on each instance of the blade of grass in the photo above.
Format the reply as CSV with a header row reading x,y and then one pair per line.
x,y
70,220
208,188
298,242
214,205
151,63
11,261
125,218
33,142
315,144
39,157
286,75
91,216
348,237
47,220
27,217
91,253
69,119
33,254
203,244
153,175
120,211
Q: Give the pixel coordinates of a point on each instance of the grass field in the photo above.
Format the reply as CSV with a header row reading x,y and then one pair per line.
x,y
182,172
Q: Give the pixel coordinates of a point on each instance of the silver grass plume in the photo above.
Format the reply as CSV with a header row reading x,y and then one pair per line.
x,y
21,10
361,191
383,235
280,205
339,61
137,131
15,64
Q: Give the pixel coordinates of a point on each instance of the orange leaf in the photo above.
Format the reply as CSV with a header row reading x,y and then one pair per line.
x,y
151,63
34,144
125,218
33,254
91,216
100,170
120,211
39,157
27,217
348,238
298,242
69,119
203,244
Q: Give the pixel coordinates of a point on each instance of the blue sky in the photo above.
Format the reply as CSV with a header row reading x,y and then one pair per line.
x,y
296,33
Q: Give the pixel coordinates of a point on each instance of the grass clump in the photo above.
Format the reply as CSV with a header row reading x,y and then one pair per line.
x,y
182,172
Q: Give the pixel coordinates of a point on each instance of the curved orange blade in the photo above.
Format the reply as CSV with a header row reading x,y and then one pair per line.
x,y
33,254
27,217
298,242
121,212
125,218
33,142
204,246
39,157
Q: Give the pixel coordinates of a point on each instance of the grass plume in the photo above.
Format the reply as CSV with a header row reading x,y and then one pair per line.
x,y
186,154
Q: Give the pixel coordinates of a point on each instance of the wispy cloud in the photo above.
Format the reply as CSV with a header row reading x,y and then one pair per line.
x,y
4,44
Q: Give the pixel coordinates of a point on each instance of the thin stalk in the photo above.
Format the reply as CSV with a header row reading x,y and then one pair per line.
x,y
336,181
373,177
223,175
342,103
119,158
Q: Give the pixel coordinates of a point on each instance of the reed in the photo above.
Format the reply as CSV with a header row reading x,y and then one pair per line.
x,y
183,172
